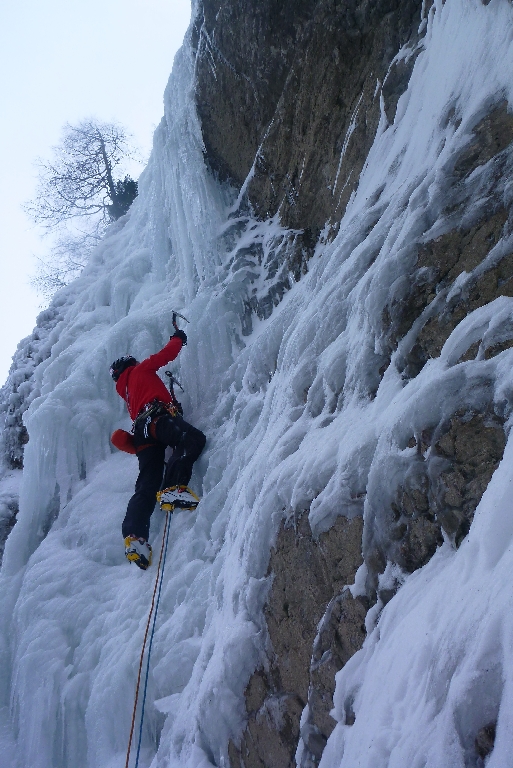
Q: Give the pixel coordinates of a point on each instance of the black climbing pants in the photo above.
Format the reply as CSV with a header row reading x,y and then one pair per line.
x,y
187,443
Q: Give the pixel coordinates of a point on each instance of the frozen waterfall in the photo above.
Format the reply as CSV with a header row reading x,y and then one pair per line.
x,y
295,420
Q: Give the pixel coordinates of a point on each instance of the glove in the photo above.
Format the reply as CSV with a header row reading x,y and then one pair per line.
x,y
180,335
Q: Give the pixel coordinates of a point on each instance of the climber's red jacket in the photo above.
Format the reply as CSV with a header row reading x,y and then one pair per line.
x,y
139,384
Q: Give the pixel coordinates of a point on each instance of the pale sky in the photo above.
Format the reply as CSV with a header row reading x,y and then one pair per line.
x,y
62,61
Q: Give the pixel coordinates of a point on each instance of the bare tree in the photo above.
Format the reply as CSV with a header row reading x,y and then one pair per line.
x,y
64,263
80,179
80,190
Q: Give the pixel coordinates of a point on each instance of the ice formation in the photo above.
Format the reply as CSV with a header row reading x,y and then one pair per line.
x,y
294,420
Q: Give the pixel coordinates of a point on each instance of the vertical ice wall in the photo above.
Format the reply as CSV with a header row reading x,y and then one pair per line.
x,y
296,419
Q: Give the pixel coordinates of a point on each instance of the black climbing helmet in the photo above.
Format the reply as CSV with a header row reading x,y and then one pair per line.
x,y
118,366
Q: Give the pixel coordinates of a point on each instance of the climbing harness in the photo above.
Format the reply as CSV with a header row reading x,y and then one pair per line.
x,y
150,412
153,613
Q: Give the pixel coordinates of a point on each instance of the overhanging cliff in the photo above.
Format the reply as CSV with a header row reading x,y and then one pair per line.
x,y
288,93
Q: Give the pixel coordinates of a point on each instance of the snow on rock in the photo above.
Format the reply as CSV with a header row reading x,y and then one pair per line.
x,y
18,390
435,669
306,408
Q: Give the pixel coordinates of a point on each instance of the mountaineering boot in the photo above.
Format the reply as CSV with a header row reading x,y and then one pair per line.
x,y
177,497
138,551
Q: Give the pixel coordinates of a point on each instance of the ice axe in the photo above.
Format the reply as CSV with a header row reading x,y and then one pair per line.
x,y
174,399
175,324
173,380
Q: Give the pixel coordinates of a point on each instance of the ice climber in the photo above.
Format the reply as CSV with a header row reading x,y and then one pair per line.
x,y
158,423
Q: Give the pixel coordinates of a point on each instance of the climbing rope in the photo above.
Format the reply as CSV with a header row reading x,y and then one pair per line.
x,y
156,591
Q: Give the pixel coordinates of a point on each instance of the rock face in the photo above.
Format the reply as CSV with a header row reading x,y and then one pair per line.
x,y
472,233
288,95
437,492
485,740
19,390
439,488
288,91
9,509
308,577
15,397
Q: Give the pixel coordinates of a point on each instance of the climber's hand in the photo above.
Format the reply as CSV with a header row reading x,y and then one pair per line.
x,y
180,335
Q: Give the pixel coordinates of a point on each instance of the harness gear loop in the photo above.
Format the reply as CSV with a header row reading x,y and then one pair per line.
x,y
150,412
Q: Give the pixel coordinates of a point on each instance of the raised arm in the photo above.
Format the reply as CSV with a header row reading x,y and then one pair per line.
x,y
166,355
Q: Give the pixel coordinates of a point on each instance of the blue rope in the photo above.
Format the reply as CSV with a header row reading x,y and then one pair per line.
x,y
150,644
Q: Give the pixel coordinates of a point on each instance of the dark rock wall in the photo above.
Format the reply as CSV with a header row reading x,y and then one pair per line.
x,y
439,487
291,88
472,230
437,491
308,578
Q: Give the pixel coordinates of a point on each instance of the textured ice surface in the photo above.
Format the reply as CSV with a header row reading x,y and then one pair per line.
x,y
295,419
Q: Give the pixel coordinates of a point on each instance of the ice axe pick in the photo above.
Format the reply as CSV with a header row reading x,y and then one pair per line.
x,y
175,324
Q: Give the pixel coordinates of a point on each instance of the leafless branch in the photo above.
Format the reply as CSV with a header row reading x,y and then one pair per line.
x,y
79,180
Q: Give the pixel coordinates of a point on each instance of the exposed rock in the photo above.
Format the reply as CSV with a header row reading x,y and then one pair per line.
x,y
275,81
341,633
396,83
8,516
307,575
19,390
446,258
245,53
472,447
271,734
285,262
490,136
437,492
439,488
440,262
485,740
